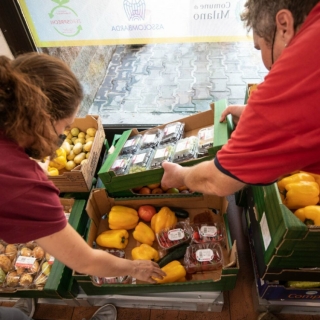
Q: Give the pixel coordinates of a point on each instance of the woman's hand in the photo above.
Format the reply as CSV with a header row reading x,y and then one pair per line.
x,y
235,111
145,269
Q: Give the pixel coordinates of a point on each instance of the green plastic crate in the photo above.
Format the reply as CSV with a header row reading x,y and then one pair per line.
x,y
119,186
286,241
60,284
221,280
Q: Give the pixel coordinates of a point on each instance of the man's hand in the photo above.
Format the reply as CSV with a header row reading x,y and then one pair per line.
x,y
235,111
173,176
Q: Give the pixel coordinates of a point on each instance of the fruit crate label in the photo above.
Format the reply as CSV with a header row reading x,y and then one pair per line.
x,y
51,260
175,234
129,143
208,231
161,153
25,262
139,158
204,255
170,130
206,134
120,163
183,146
149,138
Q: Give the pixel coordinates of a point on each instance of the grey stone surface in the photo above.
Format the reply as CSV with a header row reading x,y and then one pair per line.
x,y
89,65
156,83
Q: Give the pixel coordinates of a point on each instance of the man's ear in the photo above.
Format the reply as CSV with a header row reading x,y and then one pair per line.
x,y
285,25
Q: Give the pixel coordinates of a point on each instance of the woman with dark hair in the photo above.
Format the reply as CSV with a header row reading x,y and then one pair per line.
x,y
278,131
39,99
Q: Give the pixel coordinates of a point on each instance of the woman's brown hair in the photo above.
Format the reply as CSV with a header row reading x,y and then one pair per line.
x,y
36,90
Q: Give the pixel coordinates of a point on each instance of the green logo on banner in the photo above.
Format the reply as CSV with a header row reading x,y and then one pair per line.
x,y
64,19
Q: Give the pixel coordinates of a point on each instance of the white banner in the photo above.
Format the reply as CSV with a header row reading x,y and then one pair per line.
x,y
98,22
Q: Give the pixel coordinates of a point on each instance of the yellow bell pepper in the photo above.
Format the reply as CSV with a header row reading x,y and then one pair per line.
x,y
164,219
53,171
113,239
122,217
60,160
145,252
301,194
315,176
175,272
144,234
297,177
310,215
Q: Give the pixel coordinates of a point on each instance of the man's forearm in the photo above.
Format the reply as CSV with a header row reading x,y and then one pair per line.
x,y
201,178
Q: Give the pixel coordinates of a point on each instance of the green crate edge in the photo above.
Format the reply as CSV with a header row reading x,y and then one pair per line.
x,y
284,227
60,284
114,183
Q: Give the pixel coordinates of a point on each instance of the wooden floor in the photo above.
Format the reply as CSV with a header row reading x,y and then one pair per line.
x,y
238,303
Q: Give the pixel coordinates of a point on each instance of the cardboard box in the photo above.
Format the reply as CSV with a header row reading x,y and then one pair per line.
x,y
279,290
80,178
274,229
99,204
60,284
193,124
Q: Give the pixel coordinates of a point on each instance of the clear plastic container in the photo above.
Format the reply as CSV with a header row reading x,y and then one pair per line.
x,y
172,132
141,161
26,267
203,257
174,236
121,165
151,138
208,232
132,145
205,137
162,153
113,280
186,149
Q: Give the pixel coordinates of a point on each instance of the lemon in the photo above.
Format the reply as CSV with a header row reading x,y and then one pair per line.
x,y
66,146
70,165
77,148
74,139
84,161
82,135
78,158
89,139
91,132
75,132
71,155
87,146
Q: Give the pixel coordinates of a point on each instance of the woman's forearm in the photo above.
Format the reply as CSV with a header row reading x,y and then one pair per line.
x,y
68,247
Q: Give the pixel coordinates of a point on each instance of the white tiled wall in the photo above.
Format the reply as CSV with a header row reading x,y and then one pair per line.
x,y
4,49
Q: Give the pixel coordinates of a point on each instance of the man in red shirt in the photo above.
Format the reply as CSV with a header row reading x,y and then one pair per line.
x,y
279,130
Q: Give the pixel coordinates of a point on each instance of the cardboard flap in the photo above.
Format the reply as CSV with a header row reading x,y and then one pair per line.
x,y
233,257
92,233
90,121
98,205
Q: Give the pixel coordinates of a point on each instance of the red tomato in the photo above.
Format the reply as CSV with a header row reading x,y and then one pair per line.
x,y
146,212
